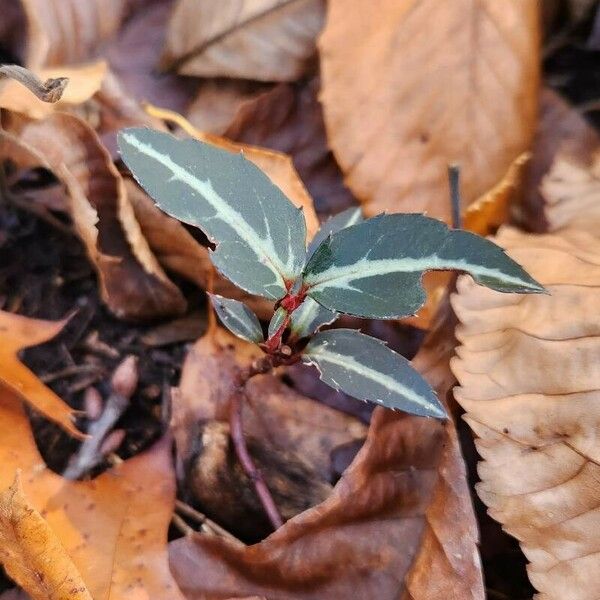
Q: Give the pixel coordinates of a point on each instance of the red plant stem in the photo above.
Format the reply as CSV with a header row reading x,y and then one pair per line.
x,y
239,443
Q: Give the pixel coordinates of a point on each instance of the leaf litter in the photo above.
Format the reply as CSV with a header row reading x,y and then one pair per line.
x,y
401,512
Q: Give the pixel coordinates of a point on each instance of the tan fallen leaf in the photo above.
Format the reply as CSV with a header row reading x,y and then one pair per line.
x,y
132,283
409,88
18,332
217,103
84,82
398,524
114,528
529,373
571,190
561,130
62,32
266,40
31,552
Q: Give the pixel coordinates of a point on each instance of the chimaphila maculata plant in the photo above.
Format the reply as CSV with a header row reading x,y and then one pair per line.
x,y
368,268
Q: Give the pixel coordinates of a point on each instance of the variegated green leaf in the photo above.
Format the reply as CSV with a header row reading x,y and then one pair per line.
x,y
364,367
277,321
374,268
260,235
309,317
346,218
238,318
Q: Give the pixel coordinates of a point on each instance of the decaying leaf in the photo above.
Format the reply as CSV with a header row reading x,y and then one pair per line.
x,y
561,130
18,332
132,282
266,40
397,112
528,369
399,524
274,410
114,528
32,554
61,32
571,190
289,118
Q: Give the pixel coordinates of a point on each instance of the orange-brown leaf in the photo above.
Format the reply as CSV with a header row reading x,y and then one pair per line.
x,y
18,332
429,83
114,528
32,553
399,524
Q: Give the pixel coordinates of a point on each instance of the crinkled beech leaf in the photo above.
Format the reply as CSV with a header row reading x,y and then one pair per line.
x,y
260,235
364,367
238,318
374,269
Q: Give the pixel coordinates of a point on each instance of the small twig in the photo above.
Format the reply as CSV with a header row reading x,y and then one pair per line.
x,y
182,525
69,371
89,455
205,522
241,449
50,90
454,181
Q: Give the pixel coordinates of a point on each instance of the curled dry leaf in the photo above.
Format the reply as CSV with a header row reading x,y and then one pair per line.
x,y
18,332
465,95
561,130
388,530
62,32
288,118
31,552
83,82
571,190
114,528
266,40
132,283
275,411
528,369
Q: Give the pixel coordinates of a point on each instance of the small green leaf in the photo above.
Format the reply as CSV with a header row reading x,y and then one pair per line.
x,y
364,367
309,317
238,318
374,269
350,216
277,321
260,234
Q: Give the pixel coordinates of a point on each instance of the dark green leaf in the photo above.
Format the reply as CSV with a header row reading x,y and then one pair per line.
x,y
309,317
374,269
238,318
260,234
364,367
350,216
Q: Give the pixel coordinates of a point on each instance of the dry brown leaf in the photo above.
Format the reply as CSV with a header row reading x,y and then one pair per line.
x,y
529,373
114,528
218,102
561,130
274,411
84,82
31,552
399,524
571,190
266,40
288,118
132,283
413,86
62,32
18,332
